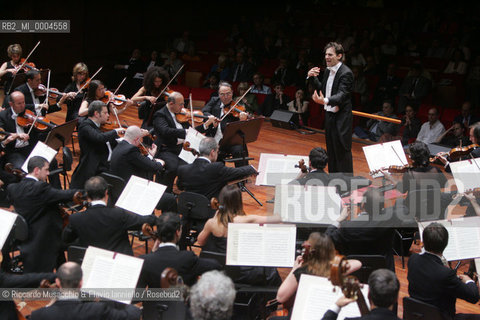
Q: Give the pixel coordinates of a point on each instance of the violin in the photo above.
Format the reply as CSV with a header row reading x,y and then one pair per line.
x,y
186,147
350,285
28,118
16,172
109,126
307,251
302,166
4,134
186,116
394,169
118,99
27,66
148,231
236,110
143,147
85,83
214,204
456,153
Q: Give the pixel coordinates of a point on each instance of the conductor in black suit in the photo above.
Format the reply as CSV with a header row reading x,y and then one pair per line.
x,y
37,202
166,254
101,226
171,135
95,146
69,279
431,280
333,91
218,106
205,175
383,287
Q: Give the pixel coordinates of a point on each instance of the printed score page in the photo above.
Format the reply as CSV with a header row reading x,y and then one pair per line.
x,y
41,149
384,155
193,137
7,220
140,196
466,174
269,245
273,168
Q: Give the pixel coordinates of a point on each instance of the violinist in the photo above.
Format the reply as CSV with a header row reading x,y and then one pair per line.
x,y
128,160
154,82
171,135
96,92
218,106
35,96
10,68
383,287
95,146
74,100
37,201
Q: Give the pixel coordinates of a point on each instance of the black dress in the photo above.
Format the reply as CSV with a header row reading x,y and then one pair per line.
x,y
73,105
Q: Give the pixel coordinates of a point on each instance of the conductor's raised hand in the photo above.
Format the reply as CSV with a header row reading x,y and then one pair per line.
x,y
315,71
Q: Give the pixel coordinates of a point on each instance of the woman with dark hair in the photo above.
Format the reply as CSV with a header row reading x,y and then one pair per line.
x,y
96,91
317,262
155,79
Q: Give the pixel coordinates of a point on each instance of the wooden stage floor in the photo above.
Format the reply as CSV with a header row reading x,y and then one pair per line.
x,y
282,141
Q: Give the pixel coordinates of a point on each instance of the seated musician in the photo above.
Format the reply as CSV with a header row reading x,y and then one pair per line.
x,y
127,160
171,135
96,91
37,202
10,68
154,81
431,280
69,280
101,226
34,97
74,97
383,288
213,237
166,254
217,106
371,232
95,146
205,175
317,261
28,280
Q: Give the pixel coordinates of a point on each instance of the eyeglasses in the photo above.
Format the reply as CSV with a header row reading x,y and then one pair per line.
x,y
225,94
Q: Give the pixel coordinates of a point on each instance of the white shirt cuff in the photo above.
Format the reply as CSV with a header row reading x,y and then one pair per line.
x,y
149,156
326,101
335,308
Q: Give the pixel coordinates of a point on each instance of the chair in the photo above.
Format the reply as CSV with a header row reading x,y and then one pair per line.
x,y
76,254
195,210
64,167
18,234
116,185
414,309
370,263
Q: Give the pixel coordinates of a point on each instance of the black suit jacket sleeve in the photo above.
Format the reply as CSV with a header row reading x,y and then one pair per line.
x,y
230,173
162,126
69,234
132,221
330,315
28,280
203,265
120,311
96,136
143,163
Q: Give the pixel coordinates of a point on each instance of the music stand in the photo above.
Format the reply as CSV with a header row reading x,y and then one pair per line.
x,y
61,135
241,133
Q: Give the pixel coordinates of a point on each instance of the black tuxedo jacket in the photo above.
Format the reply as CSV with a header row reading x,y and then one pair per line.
x,y
375,314
76,310
105,228
31,280
127,161
208,178
432,282
343,183
167,133
341,97
30,104
213,108
37,202
94,152
188,265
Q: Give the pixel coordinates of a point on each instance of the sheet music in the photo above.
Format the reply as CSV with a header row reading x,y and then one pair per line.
x,y
105,269
307,204
41,149
140,196
251,244
194,137
273,168
466,174
388,157
315,295
7,220
463,237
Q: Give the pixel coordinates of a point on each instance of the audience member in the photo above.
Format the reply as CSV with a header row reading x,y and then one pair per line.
x,y
432,129
415,87
258,86
300,107
276,101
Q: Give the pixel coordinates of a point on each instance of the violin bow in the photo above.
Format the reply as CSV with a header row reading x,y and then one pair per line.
x,y
169,82
118,88
46,101
398,156
116,116
21,66
191,108
91,78
238,101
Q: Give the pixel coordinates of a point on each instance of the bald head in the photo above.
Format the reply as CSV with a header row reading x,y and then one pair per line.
x,y
17,102
175,102
69,275
132,134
